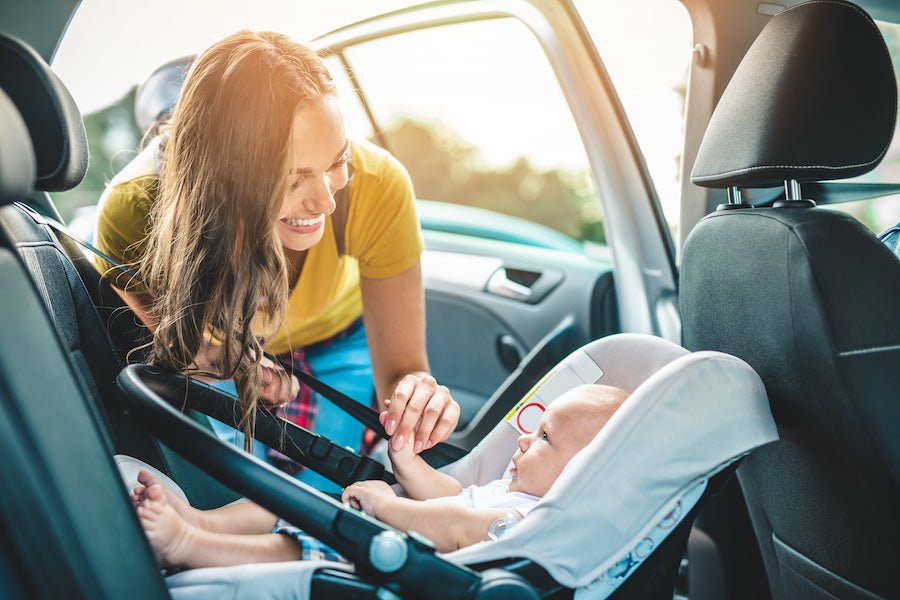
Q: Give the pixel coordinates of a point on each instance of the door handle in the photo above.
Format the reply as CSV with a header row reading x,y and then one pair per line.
x,y
501,285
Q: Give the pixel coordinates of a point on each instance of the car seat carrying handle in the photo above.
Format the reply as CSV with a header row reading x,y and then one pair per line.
x,y
341,465
414,567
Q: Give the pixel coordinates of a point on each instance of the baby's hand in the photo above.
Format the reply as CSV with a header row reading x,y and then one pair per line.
x,y
369,496
405,454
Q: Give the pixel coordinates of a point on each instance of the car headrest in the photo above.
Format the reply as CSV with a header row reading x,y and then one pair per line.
x,y
157,95
53,121
16,154
813,99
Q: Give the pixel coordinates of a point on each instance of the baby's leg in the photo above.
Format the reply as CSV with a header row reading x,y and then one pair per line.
x,y
185,510
237,517
177,543
169,534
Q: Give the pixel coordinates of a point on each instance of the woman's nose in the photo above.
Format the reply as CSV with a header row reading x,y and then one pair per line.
x,y
322,197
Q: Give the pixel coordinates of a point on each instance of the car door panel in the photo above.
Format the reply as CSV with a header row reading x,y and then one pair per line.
x,y
478,333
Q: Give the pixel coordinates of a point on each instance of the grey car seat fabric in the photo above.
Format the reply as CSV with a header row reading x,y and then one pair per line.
x,y
689,417
816,293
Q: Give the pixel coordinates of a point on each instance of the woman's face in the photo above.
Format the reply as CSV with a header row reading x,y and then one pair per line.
x,y
317,168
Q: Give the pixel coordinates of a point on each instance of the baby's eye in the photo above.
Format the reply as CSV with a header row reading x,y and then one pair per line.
x,y
544,437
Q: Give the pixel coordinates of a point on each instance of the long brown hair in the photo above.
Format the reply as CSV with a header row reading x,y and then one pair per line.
x,y
213,255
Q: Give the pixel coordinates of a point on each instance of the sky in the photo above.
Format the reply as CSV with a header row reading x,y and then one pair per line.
x,y
113,44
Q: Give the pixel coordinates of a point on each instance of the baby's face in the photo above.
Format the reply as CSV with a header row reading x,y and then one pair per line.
x,y
566,427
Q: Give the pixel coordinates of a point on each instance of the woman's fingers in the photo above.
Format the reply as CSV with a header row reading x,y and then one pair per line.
x,y
433,415
279,387
446,424
416,401
397,402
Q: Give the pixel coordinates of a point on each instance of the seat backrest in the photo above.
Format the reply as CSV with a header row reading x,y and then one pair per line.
x,y
60,486
58,136
60,142
808,297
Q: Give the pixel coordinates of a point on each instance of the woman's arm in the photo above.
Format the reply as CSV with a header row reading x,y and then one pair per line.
x,y
449,526
394,312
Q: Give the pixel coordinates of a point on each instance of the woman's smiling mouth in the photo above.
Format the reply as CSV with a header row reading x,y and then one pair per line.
x,y
303,225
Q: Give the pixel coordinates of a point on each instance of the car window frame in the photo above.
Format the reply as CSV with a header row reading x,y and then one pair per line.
x,y
640,240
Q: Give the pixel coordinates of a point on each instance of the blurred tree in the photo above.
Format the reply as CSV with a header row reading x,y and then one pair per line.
x,y
447,168
113,138
443,167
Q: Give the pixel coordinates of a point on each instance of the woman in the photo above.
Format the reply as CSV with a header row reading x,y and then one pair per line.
x,y
229,222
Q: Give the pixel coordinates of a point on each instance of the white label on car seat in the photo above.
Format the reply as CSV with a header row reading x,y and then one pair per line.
x,y
528,417
578,369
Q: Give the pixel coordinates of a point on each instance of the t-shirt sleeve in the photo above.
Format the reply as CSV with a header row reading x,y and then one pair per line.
x,y
382,227
122,223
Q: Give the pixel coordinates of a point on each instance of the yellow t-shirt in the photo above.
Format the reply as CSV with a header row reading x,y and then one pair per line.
x,y
381,239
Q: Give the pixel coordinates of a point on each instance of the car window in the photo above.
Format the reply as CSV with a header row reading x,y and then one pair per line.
x,y
475,113
646,48
880,213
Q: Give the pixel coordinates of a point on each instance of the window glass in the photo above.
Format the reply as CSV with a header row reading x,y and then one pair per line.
x,y
356,123
475,113
646,48
880,213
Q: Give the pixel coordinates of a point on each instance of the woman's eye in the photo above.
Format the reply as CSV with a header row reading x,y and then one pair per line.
x,y
339,164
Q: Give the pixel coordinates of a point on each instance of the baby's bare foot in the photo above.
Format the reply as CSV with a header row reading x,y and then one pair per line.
x,y
186,511
169,534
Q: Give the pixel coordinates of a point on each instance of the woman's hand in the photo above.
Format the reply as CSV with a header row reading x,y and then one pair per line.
x,y
419,407
368,496
278,386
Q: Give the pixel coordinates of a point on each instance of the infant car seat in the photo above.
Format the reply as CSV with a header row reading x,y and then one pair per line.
x,y
630,495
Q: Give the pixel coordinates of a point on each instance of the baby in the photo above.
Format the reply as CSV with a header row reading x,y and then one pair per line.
x,y
437,505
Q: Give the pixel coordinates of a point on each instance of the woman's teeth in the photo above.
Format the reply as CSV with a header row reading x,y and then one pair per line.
x,y
303,222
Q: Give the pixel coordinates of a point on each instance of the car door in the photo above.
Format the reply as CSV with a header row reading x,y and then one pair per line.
x,y
532,193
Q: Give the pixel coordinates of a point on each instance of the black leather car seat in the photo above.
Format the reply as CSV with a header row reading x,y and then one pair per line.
x,y
61,153
809,298
59,490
